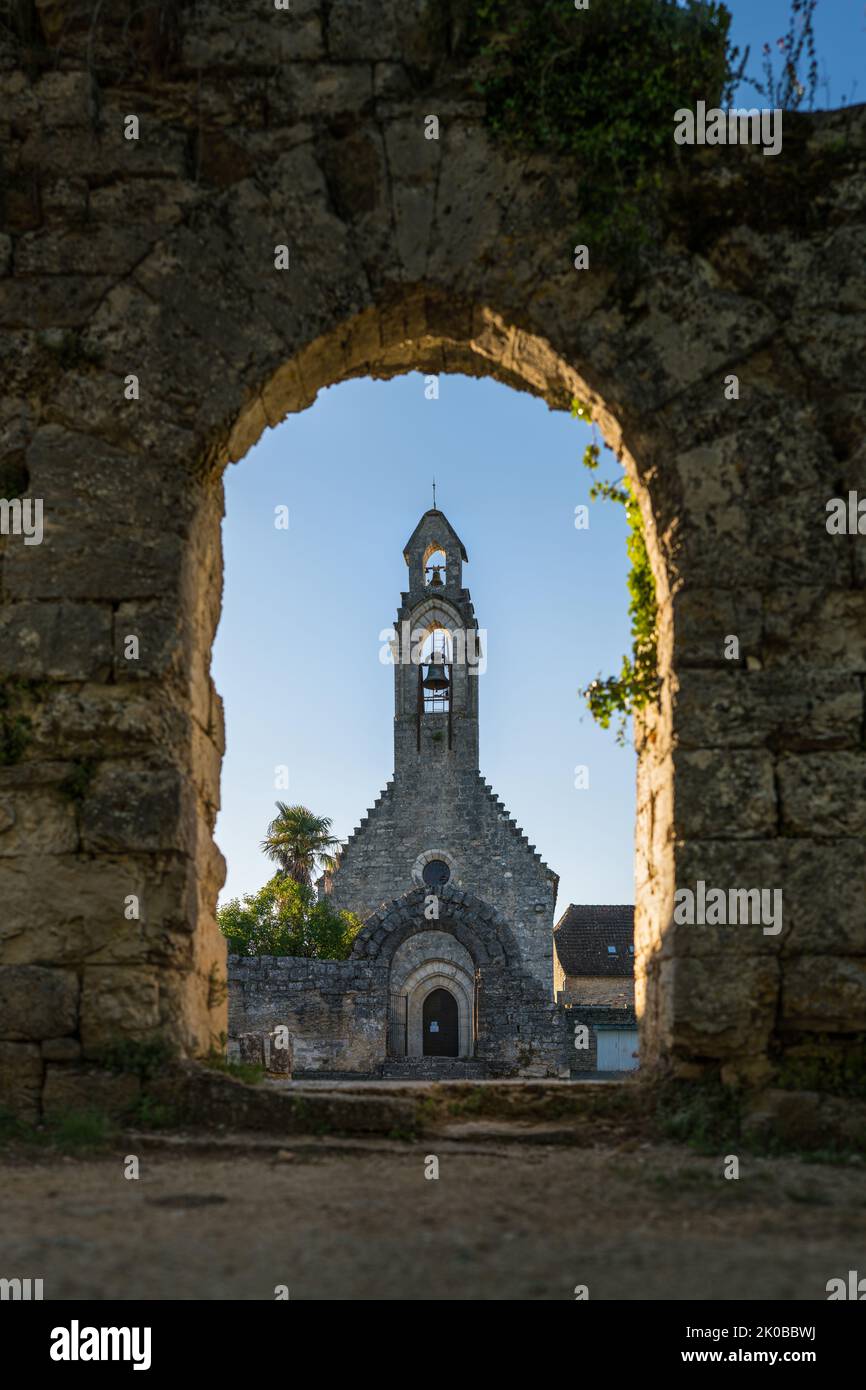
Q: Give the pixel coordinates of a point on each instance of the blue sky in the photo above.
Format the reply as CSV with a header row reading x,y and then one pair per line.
x,y
297,652
840,38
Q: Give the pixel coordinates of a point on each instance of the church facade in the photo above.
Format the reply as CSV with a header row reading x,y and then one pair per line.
x,y
453,972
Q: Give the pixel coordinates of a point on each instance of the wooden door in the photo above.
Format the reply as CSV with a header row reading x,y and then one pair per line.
x,y
441,1033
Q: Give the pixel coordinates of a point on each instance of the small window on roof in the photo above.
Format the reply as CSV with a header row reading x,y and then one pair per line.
x,y
611,950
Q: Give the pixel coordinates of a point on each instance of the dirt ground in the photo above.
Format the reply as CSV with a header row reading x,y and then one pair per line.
x,y
504,1220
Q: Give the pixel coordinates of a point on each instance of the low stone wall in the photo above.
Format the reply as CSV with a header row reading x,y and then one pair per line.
x,y
335,1010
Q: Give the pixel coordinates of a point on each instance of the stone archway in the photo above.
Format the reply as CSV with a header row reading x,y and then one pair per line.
x,y
482,934
151,339
427,961
505,1015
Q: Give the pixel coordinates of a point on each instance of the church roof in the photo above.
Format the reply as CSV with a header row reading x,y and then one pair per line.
x,y
584,934
439,516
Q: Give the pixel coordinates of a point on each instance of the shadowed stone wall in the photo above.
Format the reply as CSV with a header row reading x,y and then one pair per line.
x,y
154,258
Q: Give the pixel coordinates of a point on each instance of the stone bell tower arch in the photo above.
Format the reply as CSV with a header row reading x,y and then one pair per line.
x,y
437,656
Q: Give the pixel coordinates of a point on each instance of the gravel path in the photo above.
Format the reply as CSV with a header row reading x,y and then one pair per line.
x,y
503,1221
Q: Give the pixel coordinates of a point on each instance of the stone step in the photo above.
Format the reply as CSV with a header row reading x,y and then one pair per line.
x,y
434,1069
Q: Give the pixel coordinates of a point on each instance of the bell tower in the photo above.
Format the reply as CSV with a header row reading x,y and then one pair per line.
x,y
437,824
437,657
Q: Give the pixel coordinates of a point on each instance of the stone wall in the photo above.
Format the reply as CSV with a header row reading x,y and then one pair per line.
x,y
615,990
154,258
336,1014
457,812
335,1011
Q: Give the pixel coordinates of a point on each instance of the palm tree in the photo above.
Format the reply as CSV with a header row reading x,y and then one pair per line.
x,y
300,842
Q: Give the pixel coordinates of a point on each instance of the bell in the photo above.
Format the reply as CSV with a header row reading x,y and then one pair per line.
x,y
436,581
435,678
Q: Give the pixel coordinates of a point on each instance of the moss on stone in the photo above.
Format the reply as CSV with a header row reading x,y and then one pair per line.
x,y
142,1058
16,698
601,85
76,784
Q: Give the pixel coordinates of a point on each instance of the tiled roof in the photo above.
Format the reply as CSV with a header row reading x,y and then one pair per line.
x,y
584,932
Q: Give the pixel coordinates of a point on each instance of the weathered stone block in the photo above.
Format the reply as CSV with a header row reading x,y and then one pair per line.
x,y
138,810
725,793
812,923
699,620
21,1080
815,626
722,1008
220,37
94,250
280,1053
772,709
252,1048
823,794
88,1089
117,1003
37,1003
61,642
61,1050
66,301
83,912
357,33
824,993
34,822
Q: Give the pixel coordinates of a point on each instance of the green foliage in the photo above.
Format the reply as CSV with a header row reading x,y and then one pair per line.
x,y
10,1126
840,1073
300,842
77,784
249,1072
80,1131
704,1114
285,919
601,84
637,684
16,723
139,1058
148,1113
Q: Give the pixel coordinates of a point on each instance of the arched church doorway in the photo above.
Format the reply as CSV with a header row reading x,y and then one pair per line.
x,y
440,1024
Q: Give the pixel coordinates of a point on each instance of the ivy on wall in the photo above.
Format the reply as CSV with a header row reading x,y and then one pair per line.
x,y
601,84
638,681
